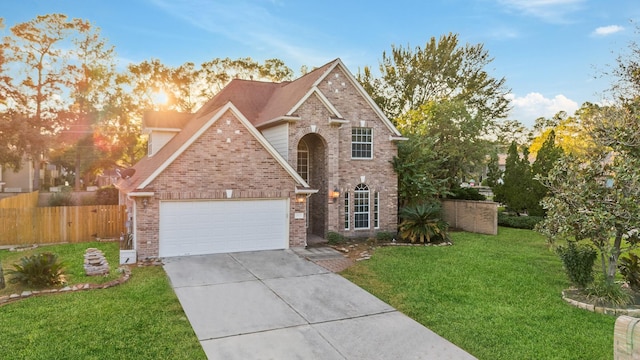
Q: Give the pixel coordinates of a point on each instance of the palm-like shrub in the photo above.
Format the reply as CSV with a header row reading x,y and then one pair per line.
x,y
630,269
422,222
38,270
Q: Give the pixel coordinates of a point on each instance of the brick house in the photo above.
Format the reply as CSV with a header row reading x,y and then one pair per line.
x,y
264,165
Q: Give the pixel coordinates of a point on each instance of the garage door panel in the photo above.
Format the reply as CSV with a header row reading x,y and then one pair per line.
x,y
206,227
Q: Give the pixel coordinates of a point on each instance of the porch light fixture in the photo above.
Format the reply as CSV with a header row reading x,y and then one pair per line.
x,y
335,194
300,198
145,202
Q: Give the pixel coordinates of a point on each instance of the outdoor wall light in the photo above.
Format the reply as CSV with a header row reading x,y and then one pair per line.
x,y
300,198
145,202
335,194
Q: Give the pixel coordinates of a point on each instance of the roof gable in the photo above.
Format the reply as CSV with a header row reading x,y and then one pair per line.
x,y
149,168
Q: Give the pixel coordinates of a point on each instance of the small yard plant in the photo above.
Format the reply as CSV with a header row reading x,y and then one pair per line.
x,y
578,260
333,238
38,270
629,267
607,293
423,222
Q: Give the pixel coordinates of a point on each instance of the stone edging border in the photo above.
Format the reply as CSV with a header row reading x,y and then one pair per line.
x,y
600,309
126,274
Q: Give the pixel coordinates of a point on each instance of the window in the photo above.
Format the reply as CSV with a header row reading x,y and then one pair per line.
x,y
361,207
346,211
361,143
303,160
376,210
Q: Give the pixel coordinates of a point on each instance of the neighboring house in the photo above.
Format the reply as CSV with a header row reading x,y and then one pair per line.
x,y
17,181
264,165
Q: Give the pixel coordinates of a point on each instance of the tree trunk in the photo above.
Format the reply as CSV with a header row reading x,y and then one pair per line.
x,y
77,166
613,258
2,283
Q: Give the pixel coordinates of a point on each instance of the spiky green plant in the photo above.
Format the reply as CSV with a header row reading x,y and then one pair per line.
x,y
422,222
38,270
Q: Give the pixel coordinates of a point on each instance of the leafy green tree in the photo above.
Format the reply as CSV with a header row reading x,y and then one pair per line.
x,y
545,161
457,135
596,197
418,170
494,174
515,191
442,70
37,50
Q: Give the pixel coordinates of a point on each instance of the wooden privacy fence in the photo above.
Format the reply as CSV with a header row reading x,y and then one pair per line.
x,y
29,200
73,224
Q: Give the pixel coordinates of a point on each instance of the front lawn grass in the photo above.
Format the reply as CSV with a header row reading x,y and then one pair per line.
x,y
140,319
72,255
497,297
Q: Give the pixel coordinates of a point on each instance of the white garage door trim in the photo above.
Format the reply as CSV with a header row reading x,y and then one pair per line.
x,y
221,226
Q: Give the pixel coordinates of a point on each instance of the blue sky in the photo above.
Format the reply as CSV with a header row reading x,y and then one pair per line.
x,y
551,52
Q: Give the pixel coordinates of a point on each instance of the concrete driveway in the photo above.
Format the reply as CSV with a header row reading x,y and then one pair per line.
x,y
276,305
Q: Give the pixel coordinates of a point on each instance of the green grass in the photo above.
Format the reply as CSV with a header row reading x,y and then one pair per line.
x,y
73,257
141,319
497,297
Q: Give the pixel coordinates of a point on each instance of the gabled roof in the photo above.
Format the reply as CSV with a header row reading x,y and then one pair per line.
x,y
265,102
147,169
165,119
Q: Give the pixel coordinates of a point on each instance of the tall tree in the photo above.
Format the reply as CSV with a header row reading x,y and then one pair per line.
x,y
441,70
546,159
418,170
93,72
596,197
515,191
38,50
457,133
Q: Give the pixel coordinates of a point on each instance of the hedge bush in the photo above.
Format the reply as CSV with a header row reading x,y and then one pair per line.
x,y
518,222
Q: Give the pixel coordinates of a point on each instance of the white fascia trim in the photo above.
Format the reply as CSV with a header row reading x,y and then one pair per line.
x,y
397,138
363,93
323,99
140,194
306,191
287,118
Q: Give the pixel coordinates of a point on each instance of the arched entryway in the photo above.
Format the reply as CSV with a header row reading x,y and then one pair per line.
x,y
312,166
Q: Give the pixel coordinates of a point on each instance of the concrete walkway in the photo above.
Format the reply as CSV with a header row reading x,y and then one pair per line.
x,y
277,305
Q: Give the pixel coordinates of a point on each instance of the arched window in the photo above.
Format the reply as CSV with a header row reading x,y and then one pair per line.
x,y
303,160
361,207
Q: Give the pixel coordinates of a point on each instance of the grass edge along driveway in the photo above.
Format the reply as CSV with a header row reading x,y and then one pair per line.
x,y
497,297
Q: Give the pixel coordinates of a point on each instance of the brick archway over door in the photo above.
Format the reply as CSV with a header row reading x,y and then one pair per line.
x,y
316,176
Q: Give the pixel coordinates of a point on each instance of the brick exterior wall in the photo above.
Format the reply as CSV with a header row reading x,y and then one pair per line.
x,y
210,166
473,216
340,170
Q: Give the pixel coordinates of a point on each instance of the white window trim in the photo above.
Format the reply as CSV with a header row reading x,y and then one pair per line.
x,y
376,210
355,213
372,149
346,220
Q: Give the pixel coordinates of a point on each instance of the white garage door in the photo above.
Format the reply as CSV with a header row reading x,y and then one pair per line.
x,y
209,227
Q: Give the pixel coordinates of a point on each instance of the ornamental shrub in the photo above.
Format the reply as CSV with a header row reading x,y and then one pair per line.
x,y
578,260
630,269
38,270
466,194
518,222
334,238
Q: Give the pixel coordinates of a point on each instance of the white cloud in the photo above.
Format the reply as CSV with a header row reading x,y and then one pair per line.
x,y
607,30
528,108
549,10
